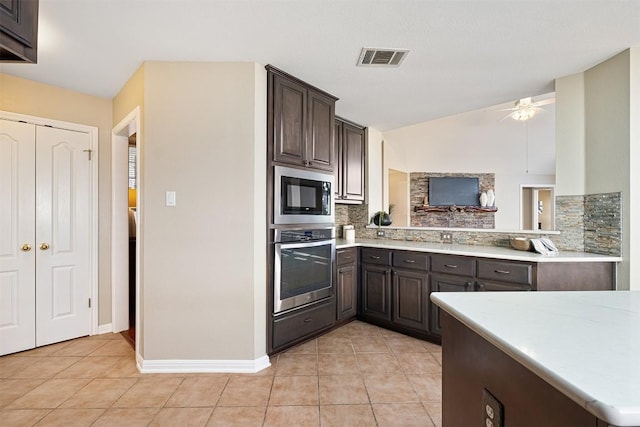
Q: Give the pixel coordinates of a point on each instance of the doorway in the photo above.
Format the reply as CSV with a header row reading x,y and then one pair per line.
x,y
399,197
537,207
125,227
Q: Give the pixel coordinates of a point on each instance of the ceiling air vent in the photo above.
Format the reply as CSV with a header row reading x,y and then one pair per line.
x,y
377,57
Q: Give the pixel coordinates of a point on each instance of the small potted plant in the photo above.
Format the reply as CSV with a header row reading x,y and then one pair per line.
x,y
382,218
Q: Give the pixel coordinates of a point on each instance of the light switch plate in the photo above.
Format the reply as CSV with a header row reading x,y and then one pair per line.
x,y
170,198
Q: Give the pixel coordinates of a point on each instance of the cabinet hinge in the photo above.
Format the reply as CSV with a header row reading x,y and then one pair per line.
x,y
89,152
89,302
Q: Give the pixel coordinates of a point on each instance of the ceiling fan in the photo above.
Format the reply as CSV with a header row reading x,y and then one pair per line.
x,y
525,108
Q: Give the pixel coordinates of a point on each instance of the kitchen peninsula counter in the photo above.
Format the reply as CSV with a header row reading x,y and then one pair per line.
x,y
478,251
551,358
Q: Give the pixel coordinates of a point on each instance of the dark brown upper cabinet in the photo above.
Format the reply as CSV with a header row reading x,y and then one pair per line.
x,y
301,122
350,170
19,31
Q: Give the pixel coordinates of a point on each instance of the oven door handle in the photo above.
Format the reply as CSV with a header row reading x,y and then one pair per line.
x,y
308,244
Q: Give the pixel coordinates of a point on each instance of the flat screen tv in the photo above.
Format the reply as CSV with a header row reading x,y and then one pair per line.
x,y
458,191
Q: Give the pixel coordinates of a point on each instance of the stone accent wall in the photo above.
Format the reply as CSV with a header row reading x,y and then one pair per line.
x,y
591,223
603,223
419,189
355,215
342,218
570,223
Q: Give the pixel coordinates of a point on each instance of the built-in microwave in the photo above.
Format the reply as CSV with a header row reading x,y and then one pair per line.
x,y
302,196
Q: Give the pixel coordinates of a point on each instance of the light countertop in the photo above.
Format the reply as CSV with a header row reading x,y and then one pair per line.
x,y
585,344
478,251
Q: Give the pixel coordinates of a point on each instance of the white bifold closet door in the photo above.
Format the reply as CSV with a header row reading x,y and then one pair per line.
x,y
44,235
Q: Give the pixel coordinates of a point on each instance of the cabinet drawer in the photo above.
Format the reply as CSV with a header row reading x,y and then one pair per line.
x,y
376,256
297,325
485,286
453,264
511,272
412,260
346,256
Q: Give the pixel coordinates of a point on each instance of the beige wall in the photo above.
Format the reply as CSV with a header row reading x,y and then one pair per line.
x,y
130,96
634,167
481,141
376,192
41,100
607,136
608,146
204,259
570,128
259,215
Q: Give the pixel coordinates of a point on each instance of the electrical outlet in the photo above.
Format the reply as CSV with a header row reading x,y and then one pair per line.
x,y
380,233
492,410
446,237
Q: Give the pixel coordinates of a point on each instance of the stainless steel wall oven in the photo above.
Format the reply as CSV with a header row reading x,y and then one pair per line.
x,y
303,266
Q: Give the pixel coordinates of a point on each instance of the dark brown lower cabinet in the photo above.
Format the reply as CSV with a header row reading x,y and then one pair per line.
x,y
485,286
346,283
376,292
394,290
300,324
445,283
410,295
471,365
346,291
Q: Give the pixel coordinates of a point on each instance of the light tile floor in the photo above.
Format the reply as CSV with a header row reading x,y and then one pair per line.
x,y
357,375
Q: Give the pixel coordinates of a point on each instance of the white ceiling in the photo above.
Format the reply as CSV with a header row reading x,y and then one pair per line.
x,y
464,55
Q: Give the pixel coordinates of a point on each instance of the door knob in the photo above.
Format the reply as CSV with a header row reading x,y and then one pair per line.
x,y
44,246
25,248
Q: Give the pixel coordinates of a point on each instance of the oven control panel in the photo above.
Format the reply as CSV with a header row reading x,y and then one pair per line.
x,y
304,235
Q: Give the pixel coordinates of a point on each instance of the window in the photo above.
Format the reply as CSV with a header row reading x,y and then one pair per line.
x,y
132,166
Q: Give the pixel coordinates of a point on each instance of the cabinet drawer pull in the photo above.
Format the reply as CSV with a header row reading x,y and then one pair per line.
x,y
409,261
451,266
307,320
502,271
374,257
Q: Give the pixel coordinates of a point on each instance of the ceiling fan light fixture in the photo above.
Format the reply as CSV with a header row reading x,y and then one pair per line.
x,y
523,114
524,110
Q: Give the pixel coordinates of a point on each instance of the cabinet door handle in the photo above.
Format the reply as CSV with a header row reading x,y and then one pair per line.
x,y
306,163
502,271
480,286
451,266
409,261
374,257
307,320
466,285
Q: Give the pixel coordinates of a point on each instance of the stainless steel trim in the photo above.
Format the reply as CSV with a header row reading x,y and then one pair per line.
x,y
299,300
278,217
277,232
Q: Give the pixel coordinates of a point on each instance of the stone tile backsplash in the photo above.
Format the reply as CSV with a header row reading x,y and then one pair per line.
x,y
603,223
590,223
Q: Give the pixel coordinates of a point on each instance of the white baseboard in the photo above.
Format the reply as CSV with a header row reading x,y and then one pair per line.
x,y
202,366
105,329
